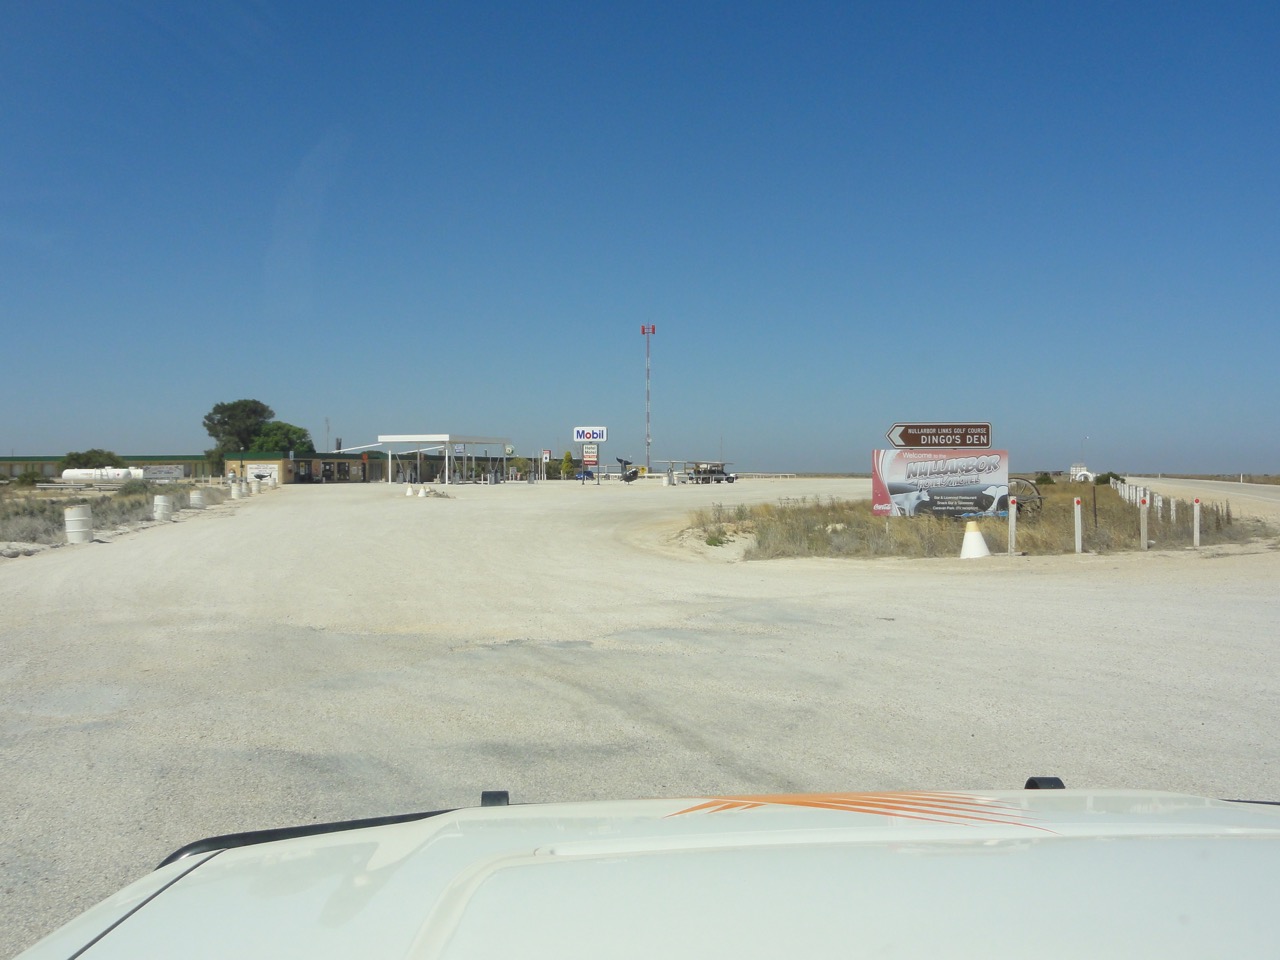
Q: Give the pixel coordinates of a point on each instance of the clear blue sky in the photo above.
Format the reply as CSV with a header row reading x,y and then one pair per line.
x,y
454,217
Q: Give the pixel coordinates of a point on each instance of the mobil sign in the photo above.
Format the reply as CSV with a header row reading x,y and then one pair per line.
x,y
590,434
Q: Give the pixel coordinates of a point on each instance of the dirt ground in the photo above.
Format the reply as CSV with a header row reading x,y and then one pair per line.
x,y
327,652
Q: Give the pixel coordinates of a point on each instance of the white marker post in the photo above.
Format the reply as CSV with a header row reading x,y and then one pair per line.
x,y
1079,529
1013,526
1142,522
1195,524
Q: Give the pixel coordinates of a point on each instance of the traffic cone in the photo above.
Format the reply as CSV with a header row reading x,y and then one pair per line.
x,y
422,491
974,545
408,491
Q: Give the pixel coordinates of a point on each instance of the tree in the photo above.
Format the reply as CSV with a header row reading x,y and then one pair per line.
x,y
566,466
235,425
90,460
281,436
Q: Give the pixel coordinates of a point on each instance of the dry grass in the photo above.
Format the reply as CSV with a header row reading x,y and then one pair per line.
x,y
847,528
31,516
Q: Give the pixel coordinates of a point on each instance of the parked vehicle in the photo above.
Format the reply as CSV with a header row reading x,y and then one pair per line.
x,y
710,472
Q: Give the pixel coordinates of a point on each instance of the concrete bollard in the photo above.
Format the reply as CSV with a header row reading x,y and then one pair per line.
x,y
1142,522
162,508
196,500
1013,526
1195,523
1079,529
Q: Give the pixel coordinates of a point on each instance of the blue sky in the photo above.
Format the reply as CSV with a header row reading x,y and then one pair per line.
x,y
455,217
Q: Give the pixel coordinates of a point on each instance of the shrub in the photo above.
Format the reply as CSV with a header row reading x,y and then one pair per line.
x,y
133,487
28,478
1043,479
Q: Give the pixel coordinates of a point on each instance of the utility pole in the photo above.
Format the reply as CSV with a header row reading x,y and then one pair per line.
x,y
648,330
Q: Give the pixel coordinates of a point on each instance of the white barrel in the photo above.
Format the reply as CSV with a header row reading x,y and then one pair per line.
x,y
235,491
196,500
162,508
79,524
255,486
244,489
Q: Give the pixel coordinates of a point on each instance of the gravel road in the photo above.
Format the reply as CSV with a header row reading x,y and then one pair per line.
x,y
327,652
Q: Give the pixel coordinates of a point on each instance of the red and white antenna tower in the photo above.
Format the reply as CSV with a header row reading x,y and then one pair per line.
x,y
648,330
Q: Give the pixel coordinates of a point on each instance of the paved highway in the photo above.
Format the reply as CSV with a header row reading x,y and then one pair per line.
x,y
1247,499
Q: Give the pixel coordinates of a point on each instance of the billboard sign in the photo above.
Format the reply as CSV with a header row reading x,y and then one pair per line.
x,y
262,471
163,472
910,483
590,434
590,454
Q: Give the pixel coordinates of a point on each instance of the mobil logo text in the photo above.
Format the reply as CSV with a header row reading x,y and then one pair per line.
x,y
590,434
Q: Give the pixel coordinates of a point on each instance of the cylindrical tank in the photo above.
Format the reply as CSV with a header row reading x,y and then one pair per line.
x,y
79,523
196,500
235,491
100,474
255,486
162,508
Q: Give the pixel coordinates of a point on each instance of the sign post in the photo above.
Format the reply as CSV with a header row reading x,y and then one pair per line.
x,y
590,438
933,436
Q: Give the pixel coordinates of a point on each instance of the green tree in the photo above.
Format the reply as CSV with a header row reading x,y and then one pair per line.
x,y
278,435
90,460
566,466
235,425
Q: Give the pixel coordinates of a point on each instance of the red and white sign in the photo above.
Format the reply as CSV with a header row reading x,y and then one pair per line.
x,y
590,455
546,456
909,483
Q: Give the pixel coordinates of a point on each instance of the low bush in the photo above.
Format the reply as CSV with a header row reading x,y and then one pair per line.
x,y
847,528
37,519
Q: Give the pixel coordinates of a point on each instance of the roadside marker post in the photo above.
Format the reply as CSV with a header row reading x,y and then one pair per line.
x,y
1079,529
1013,526
1142,522
1195,524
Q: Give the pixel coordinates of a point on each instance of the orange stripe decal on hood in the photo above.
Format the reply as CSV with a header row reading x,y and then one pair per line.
x,y
932,807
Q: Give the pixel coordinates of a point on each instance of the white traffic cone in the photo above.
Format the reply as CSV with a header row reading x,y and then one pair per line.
x,y
408,491
974,545
422,490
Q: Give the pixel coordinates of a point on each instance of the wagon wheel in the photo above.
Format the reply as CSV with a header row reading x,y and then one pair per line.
x,y
1027,494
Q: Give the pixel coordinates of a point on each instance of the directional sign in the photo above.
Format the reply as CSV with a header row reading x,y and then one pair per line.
x,y
940,435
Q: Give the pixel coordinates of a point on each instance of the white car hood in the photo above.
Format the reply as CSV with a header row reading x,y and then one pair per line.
x,y
1045,873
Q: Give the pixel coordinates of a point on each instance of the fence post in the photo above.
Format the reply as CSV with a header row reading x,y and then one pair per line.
x,y
1013,525
1079,529
1173,511
1195,524
1142,522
